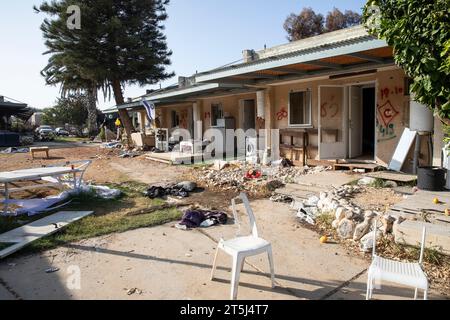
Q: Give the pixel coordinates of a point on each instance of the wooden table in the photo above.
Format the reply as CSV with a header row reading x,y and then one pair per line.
x,y
39,149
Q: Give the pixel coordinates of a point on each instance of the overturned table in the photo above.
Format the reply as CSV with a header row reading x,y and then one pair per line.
x,y
56,174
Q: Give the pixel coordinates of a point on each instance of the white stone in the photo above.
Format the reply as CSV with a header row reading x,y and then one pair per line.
x,y
340,214
366,181
346,229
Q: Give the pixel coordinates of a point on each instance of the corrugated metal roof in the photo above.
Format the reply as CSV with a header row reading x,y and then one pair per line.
x,y
360,41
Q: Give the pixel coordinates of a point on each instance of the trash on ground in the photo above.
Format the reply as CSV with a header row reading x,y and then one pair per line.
x,y
197,218
281,198
133,291
52,270
180,190
15,150
235,176
112,145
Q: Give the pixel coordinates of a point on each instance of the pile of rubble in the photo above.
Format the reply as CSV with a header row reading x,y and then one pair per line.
x,y
350,221
233,176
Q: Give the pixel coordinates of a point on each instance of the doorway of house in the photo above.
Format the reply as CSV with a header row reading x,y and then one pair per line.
x,y
362,113
248,115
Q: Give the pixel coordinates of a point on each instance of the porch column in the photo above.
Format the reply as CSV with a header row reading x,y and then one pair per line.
x,y
142,116
269,123
197,119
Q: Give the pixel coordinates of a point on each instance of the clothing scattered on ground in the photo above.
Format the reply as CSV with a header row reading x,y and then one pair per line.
x,y
196,218
180,190
15,150
281,198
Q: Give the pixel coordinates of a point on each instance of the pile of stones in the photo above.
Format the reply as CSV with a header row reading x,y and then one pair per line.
x,y
350,221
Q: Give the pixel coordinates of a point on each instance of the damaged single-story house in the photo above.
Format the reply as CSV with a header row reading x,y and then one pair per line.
x,y
336,96
8,110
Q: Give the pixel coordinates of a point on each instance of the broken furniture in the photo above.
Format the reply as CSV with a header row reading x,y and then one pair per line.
x,y
242,247
23,236
71,173
355,166
297,154
162,140
142,140
35,150
403,273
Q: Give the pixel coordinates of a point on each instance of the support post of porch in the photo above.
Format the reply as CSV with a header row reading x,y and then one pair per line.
x,y
269,123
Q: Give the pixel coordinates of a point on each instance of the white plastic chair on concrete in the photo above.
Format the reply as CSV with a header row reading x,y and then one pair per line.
x,y
242,247
407,274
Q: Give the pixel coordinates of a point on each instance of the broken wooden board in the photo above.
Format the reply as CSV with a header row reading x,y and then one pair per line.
x,y
393,176
355,166
23,236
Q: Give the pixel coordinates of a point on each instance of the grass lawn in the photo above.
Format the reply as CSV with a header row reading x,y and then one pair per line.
x,y
110,216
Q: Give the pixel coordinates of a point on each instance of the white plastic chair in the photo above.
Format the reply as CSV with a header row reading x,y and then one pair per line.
x,y
407,274
242,247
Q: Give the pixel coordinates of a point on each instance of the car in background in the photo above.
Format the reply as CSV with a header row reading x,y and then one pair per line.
x,y
45,133
61,132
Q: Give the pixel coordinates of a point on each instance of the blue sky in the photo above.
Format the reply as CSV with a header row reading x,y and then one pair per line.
x,y
202,34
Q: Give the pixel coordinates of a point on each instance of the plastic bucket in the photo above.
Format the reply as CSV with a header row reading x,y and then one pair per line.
x,y
431,178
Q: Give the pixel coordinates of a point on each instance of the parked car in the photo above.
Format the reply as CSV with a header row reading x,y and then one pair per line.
x,y
62,132
45,133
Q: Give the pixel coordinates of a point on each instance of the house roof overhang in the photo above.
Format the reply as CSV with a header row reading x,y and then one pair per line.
x,y
18,110
333,53
178,96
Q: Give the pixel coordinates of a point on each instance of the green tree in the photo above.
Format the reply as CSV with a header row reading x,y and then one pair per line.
x,y
121,42
72,110
419,32
304,25
308,23
336,20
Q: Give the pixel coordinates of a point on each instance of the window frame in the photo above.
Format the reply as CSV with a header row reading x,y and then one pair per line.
x,y
305,125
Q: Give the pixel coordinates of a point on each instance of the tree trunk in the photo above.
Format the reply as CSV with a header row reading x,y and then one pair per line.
x,y
92,111
123,114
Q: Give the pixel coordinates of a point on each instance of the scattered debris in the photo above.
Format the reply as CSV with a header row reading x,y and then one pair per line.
x,y
195,218
112,145
281,198
128,154
255,180
52,270
15,150
133,291
154,192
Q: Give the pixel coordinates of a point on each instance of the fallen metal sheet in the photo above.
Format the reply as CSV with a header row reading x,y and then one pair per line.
x,y
23,236
402,150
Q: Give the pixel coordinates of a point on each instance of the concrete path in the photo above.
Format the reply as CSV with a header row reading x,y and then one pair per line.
x,y
166,263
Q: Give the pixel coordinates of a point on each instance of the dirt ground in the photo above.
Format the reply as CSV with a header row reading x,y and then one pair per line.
x,y
106,165
376,199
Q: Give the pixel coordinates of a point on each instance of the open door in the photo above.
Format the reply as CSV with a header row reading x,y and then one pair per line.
x,y
356,122
332,138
